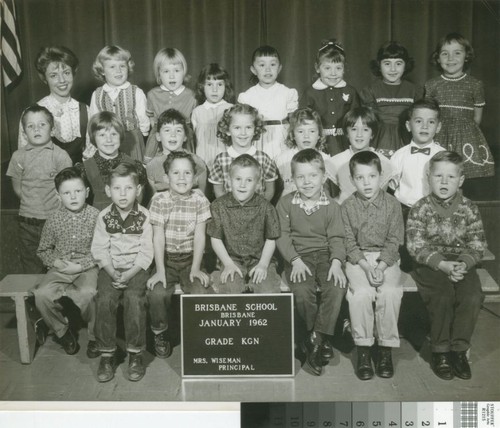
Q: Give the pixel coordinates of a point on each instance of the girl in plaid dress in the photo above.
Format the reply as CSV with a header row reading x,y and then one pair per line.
x,y
461,99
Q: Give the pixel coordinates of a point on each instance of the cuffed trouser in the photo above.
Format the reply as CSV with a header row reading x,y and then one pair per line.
x,y
269,285
81,288
134,312
320,318
453,307
374,311
177,269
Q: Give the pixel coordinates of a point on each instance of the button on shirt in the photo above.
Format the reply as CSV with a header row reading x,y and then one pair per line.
x,y
35,167
123,243
68,236
179,215
373,225
243,228
410,173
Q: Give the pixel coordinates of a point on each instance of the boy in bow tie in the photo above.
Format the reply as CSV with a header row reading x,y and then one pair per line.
x,y
410,163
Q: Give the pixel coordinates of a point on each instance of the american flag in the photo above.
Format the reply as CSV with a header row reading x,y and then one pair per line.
x,y
11,49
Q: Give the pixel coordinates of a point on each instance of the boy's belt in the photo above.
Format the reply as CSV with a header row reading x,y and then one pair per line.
x,y
32,221
275,122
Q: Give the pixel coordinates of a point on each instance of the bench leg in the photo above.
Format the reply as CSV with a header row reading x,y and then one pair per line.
x,y
25,331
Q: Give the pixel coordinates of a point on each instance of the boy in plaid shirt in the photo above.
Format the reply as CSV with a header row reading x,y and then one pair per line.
x,y
65,249
178,217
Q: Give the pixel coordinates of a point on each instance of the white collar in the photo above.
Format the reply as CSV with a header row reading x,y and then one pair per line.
x,y
109,88
320,85
370,148
178,91
210,105
234,154
70,102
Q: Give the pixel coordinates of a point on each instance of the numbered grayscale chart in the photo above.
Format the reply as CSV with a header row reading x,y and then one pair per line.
x,y
462,414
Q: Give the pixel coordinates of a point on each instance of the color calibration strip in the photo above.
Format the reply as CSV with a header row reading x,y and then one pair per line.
x,y
462,414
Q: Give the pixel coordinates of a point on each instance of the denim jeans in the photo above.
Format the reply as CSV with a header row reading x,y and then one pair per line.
x,y
177,268
323,317
81,288
453,307
134,312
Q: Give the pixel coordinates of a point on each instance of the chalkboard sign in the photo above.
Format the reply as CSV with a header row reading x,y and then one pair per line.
x,y
237,335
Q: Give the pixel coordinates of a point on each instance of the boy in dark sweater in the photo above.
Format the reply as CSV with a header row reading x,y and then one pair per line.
x,y
446,239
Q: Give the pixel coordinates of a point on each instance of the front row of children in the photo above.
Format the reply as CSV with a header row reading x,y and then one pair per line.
x,y
314,235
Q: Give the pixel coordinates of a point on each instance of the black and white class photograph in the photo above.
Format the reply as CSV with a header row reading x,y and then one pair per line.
x,y
249,201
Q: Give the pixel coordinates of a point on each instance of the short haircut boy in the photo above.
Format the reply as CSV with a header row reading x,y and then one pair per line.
x,y
32,169
365,158
410,163
123,169
245,161
445,259
65,244
172,156
427,103
179,233
36,108
447,156
374,232
312,238
71,173
247,232
123,251
311,156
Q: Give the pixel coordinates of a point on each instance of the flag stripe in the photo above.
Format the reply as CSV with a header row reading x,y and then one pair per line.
x,y
11,48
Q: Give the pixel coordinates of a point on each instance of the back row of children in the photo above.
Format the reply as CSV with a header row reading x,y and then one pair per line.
x,y
313,234
460,96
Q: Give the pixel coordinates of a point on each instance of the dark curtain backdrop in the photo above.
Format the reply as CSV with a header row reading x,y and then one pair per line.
x,y
228,31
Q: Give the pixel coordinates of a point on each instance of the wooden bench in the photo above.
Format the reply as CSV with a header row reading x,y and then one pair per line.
x,y
488,284
19,288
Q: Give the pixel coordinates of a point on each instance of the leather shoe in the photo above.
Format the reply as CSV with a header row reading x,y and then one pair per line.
x,y
69,342
92,350
163,348
364,369
384,367
440,364
106,370
326,351
460,365
314,360
136,368
41,331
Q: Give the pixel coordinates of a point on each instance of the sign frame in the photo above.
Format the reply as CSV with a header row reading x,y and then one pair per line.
x,y
239,296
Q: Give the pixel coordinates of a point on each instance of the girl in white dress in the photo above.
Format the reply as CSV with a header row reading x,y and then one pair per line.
x,y
274,101
215,94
